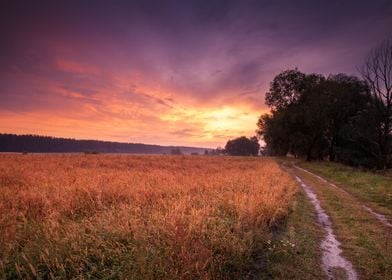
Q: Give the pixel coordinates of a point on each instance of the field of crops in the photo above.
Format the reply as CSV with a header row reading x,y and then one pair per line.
x,y
137,217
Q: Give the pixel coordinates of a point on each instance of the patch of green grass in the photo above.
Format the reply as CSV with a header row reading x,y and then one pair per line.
x,y
294,252
371,188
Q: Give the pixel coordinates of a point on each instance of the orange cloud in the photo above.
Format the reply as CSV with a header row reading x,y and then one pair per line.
x,y
75,67
116,121
90,103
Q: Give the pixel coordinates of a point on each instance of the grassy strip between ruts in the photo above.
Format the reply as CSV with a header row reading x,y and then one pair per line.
x,y
365,241
294,251
375,190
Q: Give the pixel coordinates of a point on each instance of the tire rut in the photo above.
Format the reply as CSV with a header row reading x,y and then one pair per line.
x,y
332,259
378,216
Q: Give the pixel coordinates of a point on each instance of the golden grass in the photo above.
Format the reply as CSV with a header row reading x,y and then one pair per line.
x,y
136,217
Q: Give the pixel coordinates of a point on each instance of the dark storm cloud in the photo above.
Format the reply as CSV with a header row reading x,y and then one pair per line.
x,y
188,40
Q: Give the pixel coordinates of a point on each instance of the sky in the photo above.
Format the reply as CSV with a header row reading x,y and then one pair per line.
x,y
180,72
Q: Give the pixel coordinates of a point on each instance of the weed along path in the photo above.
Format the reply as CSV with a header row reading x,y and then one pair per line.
x,y
378,216
332,261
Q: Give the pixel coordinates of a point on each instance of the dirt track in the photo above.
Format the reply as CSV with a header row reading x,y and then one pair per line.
x,y
378,216
333,263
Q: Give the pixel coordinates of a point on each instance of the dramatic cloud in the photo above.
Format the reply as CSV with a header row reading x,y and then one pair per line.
x,y
168,72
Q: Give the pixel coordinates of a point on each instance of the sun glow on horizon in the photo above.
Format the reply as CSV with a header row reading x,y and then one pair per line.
x,y
186,125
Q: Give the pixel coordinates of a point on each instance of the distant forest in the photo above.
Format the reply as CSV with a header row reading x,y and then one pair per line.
x,y
47,144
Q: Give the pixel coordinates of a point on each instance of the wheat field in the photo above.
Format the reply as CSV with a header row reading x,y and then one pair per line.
x,y
137,217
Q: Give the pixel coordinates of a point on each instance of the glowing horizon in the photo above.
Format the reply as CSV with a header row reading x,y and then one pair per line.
x,y
185,73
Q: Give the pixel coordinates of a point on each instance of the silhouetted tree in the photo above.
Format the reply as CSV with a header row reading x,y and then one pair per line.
x,y
357,143
377,71
346,98
297,123
243,146
311,117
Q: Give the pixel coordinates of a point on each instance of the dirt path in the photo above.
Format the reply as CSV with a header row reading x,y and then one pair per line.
x,y
378,216
332,261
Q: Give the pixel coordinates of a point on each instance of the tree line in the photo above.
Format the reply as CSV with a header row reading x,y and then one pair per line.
x,y
340,117
47,144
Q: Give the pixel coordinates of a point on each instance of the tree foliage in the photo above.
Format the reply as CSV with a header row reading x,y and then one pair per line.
x,y
285,89
243,146
319,117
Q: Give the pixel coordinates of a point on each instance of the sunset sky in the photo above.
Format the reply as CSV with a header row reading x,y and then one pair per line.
x,y
168,72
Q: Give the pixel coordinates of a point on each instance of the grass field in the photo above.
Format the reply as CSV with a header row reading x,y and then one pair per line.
x,y
183,217
139,217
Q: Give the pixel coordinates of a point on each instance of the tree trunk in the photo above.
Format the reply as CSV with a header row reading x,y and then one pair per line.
x,y
309,155
331,151
310,149
309,152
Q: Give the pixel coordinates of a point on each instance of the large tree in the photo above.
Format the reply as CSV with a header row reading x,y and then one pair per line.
x,y
297,123
311,115
243,146
377,71
346,98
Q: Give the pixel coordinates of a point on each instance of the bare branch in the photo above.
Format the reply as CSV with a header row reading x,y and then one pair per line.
x,y
377,72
